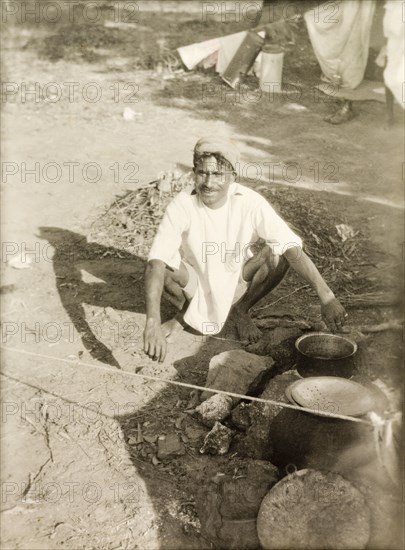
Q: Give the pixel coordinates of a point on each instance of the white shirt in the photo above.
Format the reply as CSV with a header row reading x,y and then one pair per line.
x,y
215,242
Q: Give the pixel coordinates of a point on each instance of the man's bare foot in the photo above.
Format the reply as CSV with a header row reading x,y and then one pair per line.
x,y
171,328
247,330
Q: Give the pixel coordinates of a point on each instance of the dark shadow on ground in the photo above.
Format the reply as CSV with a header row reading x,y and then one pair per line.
x,y
118,282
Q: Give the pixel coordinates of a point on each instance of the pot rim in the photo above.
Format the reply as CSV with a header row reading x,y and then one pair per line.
x,y
329,335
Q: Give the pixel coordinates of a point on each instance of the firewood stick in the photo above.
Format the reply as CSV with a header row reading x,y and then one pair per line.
x,y
396,324
389,325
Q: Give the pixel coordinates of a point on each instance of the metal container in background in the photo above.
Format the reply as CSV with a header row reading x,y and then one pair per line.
x,y
325,354
243,59
271,70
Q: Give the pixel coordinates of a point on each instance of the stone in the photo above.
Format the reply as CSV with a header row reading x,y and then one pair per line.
x,y
274,338
214,409
241,497
280,344
227,507
240,416
218,440
234,371
169,447
262,471
276,324
193,430
257,443
239,533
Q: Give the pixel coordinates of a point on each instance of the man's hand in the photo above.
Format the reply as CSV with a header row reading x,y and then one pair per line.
x,y
334,314
154,341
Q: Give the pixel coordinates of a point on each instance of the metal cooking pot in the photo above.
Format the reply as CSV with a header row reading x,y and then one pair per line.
x,y
325,354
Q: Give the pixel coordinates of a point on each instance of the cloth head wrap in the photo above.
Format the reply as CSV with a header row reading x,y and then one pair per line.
x,y
218,145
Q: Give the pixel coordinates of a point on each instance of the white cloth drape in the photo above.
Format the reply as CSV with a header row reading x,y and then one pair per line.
x,y
340,37
394,74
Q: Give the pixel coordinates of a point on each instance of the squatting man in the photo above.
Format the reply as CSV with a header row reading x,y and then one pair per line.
x,y
222,247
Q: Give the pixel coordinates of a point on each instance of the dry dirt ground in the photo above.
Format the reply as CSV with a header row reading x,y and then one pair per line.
x,y
75,474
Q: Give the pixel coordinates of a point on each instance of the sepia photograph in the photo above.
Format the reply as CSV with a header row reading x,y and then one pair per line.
x,y
202,274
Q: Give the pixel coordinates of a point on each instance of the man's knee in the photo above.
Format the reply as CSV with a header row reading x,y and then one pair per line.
x,y
263,264
175,280
274,262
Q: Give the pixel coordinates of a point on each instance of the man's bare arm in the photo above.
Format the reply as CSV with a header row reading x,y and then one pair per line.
x,y
153,337
333,312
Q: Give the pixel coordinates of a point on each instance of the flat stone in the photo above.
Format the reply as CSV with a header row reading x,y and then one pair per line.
x,y
169,447
193,430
